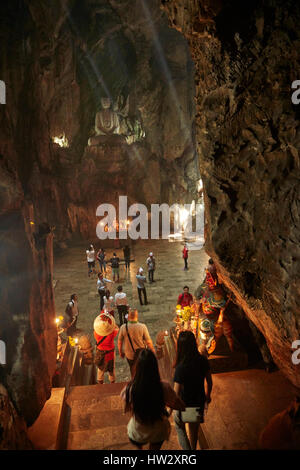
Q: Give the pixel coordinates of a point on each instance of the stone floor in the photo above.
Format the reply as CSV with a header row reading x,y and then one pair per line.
x,y
70,274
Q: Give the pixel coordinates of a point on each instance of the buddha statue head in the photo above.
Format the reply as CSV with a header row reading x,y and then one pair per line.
x,y
105,103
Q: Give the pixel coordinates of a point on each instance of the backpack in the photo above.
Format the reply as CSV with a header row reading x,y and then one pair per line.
x,y
115,262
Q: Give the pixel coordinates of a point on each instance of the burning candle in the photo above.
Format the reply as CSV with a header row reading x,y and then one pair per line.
x,y
166,333
57,321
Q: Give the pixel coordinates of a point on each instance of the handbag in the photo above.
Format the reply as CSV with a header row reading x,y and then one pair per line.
x,y
100,354
192,414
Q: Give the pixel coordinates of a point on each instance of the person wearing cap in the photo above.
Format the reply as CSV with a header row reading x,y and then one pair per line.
x,y
105,330
134,336
141,279
151,267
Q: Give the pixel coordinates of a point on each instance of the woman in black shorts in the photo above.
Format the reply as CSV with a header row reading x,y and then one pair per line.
x,y
192,370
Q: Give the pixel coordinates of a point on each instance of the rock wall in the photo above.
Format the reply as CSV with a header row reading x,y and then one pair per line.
x,y
246,57
57,59
127,51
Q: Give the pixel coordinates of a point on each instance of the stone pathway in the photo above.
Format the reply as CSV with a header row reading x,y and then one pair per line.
x,y
70,272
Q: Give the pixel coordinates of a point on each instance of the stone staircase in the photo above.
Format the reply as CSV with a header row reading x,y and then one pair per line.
x,y
96,419
93,418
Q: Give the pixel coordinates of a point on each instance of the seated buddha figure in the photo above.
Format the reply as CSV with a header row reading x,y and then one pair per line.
x,y
106,125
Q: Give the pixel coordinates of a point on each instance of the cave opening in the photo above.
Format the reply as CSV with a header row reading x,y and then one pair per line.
x,y
149,160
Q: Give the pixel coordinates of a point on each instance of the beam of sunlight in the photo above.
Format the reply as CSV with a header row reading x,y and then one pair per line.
x,y
89,58
164,64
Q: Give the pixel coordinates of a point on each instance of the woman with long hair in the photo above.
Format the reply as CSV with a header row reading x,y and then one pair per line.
x,y
191,371
146,397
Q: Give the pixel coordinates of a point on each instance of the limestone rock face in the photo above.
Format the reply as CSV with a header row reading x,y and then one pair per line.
x,y
58,59
246,57
13,430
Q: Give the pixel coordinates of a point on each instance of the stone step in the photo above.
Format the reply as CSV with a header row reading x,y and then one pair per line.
x,y
93,405
97,419
112,437
100,439
85,392
43,433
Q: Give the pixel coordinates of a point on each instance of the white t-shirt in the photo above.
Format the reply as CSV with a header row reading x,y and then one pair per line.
x,y
90,256
121,298
101,283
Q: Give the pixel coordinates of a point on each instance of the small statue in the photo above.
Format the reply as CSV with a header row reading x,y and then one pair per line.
x,y
107,124
213,303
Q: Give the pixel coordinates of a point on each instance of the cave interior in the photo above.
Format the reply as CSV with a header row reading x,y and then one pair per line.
x,y
164,102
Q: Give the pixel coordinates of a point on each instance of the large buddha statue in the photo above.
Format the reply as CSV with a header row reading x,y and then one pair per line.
x,y
107,125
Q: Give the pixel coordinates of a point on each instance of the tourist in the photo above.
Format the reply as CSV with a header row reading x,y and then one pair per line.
x,y
122,304
126,252
101,259
90,254
185,255
141,279
109,303
146,398
72,313
185,299
115,263
191,371
105,330
102,288
151,267
134,336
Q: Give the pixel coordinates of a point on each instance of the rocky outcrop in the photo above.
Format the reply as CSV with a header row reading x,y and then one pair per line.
x,y
57,60
13,430
246,57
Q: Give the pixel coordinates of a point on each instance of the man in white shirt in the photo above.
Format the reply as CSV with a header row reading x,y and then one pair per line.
x,y
90,256
122,304
101,286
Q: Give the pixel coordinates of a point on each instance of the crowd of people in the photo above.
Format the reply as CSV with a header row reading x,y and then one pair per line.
x,y
148,399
